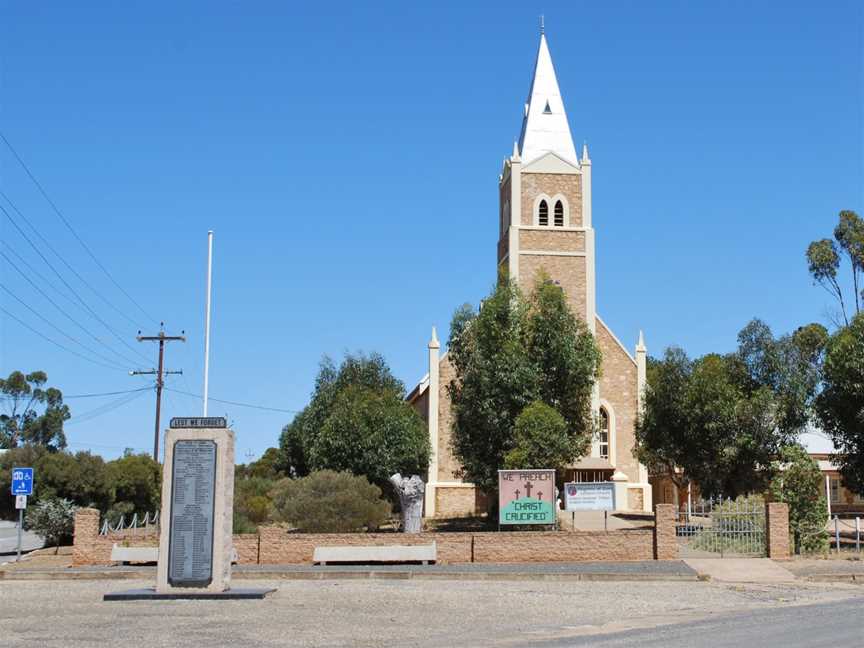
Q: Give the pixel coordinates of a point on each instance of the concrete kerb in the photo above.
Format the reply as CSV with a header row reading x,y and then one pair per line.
x,y
452,572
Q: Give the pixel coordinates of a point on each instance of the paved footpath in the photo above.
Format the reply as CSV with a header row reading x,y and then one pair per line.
x,y
422,613
742,570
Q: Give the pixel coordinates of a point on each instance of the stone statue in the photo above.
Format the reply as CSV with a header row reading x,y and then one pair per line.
x,y
410,491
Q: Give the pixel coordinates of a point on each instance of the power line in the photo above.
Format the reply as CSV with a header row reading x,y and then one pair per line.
x,y
114,393
105,408
68,316
54,342
66,283
71,229
64,261
57,328
228,402
100,395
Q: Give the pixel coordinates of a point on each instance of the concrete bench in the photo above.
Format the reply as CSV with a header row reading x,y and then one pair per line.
x,y
424,554
123,554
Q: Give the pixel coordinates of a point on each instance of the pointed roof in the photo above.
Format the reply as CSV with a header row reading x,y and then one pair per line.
x,y
545,127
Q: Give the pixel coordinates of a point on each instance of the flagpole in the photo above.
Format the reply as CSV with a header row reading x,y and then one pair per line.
x,y
207,318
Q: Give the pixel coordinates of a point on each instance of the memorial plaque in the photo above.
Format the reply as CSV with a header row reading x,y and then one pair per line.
x,y
193,496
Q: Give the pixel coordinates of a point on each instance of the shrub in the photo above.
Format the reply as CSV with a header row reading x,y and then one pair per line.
x,y
251,502
52,518
542,440
136,483
330,502
800,485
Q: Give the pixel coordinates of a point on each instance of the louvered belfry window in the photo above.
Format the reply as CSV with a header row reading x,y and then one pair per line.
x,y
543,213
559,214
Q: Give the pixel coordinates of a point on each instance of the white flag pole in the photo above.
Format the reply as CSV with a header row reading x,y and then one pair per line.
x,y
207,319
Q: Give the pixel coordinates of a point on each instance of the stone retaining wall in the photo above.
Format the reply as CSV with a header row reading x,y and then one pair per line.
x,y
90,548
278,546
281,547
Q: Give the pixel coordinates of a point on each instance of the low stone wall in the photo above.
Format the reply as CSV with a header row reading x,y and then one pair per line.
x,y
281,547
278,546
563,546
92,549
246,546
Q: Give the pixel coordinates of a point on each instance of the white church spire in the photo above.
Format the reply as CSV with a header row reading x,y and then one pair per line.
x,y
545,127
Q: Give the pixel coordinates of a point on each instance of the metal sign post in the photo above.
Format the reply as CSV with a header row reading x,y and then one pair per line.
x,y
22,486
20,504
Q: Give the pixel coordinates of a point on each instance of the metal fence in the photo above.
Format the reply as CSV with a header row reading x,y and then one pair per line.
x,y
847,534
135,522
718,528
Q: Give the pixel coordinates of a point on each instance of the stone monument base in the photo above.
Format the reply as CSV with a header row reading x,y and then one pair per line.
x,y
150,594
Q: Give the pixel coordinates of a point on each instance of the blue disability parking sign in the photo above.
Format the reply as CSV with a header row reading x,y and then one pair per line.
x,y
22,481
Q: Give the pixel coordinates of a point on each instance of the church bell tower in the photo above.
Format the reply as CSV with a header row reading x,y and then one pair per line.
x,y
545,198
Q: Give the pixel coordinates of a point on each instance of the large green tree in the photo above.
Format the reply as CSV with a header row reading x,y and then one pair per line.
x,y
824,260
513,352
840,405
722,420
357,421
34,414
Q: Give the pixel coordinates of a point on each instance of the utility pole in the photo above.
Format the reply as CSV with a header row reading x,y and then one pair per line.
x,y
160,372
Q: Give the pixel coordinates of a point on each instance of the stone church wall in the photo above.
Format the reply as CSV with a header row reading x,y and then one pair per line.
x,y
569,272
618,385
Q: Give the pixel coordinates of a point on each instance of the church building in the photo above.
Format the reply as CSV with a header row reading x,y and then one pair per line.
x,y
546,225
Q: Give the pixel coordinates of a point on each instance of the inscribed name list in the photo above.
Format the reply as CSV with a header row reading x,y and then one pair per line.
x,y
193,491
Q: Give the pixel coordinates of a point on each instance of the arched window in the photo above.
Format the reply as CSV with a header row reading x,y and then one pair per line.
x,y
604,433
559,214
543,213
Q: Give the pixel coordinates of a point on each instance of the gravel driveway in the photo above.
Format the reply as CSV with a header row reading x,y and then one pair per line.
x,y
373,613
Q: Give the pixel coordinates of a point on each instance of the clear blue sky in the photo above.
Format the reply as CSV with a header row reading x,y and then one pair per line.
x,y
346,156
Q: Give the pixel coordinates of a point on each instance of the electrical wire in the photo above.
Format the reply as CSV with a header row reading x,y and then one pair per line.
x,y
58,329
66,283
65,262
67,315
54,342
71,229
100,395
105,408
228,402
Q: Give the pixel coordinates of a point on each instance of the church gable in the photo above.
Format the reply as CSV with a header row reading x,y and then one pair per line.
x,y
551,163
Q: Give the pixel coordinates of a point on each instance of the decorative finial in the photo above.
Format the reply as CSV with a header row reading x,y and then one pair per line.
x,y
542,25
640,345
434,343
585,158
515,150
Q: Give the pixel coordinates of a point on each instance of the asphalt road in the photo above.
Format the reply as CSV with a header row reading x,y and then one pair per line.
x,y
9,539
809,626
427,614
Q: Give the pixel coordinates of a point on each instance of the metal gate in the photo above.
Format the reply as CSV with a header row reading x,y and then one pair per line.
x,y
718,528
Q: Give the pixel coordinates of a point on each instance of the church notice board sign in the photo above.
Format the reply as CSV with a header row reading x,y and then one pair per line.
x,y
589,496
526,496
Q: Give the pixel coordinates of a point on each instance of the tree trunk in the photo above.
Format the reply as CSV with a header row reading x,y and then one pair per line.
x,y
410,492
